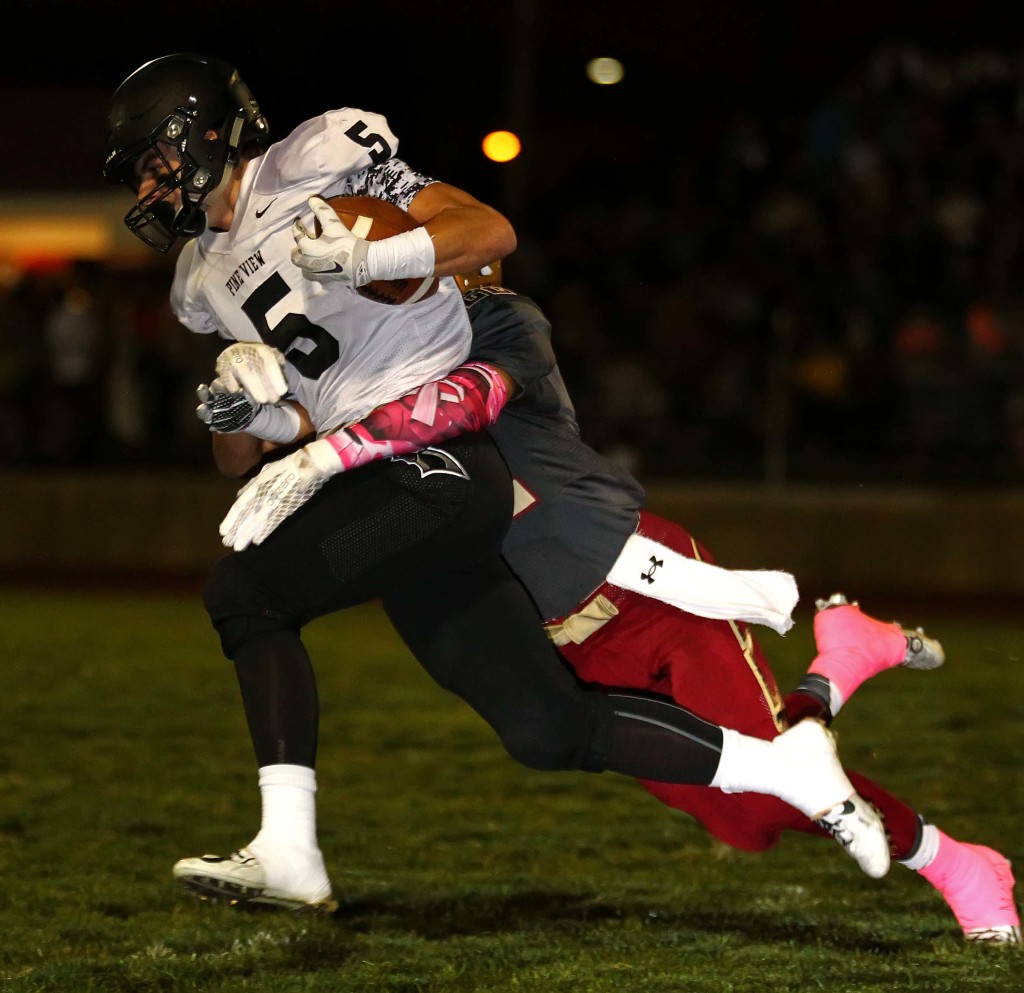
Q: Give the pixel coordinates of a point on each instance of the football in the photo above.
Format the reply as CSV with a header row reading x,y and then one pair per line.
x,y
373,219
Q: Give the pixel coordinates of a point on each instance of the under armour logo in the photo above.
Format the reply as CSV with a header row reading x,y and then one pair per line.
x,y
656,564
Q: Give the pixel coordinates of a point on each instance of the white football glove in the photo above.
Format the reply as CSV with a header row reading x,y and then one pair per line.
x,y
336,256
255,368
276,493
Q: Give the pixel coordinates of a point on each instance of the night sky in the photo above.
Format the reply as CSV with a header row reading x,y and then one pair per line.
x,y
445,74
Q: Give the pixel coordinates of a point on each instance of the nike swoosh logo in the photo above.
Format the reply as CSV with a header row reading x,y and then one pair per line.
x,y
260,213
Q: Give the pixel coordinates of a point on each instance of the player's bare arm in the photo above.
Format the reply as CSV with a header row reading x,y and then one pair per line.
x,y
466,233
234,455
237,454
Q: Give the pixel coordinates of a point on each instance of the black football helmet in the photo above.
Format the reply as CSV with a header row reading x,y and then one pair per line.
x,y
197,105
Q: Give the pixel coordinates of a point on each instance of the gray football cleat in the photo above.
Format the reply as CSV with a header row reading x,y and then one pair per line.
x,y
922,652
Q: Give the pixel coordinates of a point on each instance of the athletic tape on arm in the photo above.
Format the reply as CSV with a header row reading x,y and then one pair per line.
x,y
402,256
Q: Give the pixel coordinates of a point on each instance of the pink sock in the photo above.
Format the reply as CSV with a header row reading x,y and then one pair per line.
x,y
976,881
853,647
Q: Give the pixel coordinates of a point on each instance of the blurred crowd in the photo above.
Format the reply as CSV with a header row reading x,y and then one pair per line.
x,y
96,371
830,293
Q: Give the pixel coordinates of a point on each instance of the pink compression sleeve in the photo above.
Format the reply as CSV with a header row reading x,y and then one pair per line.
x,y
468,399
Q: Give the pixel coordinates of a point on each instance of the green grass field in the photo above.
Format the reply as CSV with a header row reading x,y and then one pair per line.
x,y
123,747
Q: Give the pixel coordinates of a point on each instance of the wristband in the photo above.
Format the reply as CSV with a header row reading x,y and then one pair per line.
x,y
279,423
402,256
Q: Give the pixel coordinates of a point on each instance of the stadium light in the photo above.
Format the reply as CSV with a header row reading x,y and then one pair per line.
x,y
605,71
501,146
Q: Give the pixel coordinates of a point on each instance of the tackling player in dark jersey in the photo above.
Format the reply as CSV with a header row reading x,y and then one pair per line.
x,y
577,510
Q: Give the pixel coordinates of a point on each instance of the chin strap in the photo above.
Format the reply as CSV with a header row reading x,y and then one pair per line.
x,y
193,220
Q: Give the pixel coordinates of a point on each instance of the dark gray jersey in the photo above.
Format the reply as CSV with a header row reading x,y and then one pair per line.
x,y
574,508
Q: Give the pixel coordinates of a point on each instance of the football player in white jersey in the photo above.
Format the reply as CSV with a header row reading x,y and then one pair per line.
x,y
188,137
309,354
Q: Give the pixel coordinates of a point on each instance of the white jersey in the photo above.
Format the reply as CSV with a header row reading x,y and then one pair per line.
x,y
345,354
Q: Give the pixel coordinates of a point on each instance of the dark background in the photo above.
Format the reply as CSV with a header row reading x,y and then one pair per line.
x,y
446,74
757,250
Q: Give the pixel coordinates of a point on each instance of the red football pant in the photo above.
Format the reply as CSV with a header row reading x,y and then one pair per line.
x,y
716,669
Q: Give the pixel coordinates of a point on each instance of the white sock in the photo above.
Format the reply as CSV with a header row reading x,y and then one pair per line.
x,y
926,851
286,844
289,804
752,765
747,765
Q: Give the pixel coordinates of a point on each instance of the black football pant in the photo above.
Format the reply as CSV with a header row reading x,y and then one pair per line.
x,y
428,545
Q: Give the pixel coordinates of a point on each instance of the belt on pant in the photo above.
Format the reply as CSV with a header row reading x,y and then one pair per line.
x,y
577,627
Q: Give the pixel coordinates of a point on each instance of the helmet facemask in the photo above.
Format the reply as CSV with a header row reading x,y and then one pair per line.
x,y
188,149
157,220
